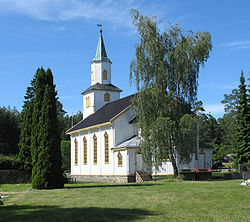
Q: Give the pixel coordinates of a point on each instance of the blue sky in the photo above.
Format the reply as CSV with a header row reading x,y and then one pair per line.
x,y
62,35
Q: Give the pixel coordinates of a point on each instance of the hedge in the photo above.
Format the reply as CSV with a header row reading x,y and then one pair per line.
x,y
9,163
65,150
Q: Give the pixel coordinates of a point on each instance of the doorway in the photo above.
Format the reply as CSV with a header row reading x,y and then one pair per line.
x,y
138,162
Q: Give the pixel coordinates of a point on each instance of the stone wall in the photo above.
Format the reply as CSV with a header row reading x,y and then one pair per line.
x,y
114,179
14,177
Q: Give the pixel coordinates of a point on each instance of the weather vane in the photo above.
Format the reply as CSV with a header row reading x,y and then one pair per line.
x,y
100,26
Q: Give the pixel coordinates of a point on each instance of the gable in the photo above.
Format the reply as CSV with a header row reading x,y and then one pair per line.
x,y
104,115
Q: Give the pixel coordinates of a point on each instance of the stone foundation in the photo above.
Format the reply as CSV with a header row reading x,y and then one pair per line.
x,y
104,178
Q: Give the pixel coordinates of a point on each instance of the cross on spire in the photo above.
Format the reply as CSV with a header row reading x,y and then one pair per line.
x,y
101,54
100,26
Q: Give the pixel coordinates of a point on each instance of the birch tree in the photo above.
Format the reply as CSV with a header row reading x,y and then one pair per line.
x,y
165,71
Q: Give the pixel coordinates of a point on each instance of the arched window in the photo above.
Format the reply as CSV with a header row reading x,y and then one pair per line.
x,y
76,151
84,150
92,76
104,75
119,156
106,142
106,97
87,102
95,148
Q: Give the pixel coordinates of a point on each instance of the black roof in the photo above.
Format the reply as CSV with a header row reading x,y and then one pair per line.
x,y
104,114
102,87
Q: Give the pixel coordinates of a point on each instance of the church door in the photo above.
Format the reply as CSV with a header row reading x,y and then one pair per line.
x,y
138,162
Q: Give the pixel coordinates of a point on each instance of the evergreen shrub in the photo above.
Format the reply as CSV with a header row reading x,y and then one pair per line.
x,y
65,150
9,163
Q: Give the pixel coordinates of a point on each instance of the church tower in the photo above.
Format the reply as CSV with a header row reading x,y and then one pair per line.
x,y
101,90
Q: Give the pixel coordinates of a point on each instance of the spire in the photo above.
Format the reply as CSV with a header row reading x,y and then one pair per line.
x,y
101,54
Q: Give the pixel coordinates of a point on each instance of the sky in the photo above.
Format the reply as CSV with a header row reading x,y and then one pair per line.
x,y
62,35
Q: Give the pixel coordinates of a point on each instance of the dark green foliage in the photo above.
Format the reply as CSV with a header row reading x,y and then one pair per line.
x,y
65,150
9,163
219,153
66,123
165,71
25,137
228,125
77,117
243,118
230,101
229,122
45,136
211,133
9,130
62,120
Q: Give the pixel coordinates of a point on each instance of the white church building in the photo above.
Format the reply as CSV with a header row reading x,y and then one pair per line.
x,y
105,144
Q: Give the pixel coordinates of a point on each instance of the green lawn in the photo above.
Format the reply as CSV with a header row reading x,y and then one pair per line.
x,y
155,201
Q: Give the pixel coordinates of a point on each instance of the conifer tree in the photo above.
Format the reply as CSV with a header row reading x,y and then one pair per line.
x,y
243,118
45,142
24,154
24,145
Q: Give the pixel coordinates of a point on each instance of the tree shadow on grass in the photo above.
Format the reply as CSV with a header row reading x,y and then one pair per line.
x,y
111,185
55,213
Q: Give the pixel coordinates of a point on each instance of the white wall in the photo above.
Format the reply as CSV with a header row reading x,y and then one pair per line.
x,y
208,157
91,109
99,98
131,161
120,170
205,158
92,169
190,165
165,169
98,67
124,130
97,101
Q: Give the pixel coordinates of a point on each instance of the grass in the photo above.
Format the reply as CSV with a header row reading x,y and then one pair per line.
x,y
154,201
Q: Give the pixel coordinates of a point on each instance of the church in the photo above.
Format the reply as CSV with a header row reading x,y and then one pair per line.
x,y
105,143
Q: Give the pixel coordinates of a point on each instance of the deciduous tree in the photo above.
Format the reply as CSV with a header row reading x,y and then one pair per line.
x,y
165,71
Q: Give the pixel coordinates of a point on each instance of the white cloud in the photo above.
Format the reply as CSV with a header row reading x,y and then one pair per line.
x,y
237,44
216,110
111,11
116,12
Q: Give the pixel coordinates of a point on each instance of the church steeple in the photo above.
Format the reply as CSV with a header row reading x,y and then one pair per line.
x,y
101,64
101,54
101,90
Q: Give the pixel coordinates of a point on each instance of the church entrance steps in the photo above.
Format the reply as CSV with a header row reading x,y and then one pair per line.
x,y
142,177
